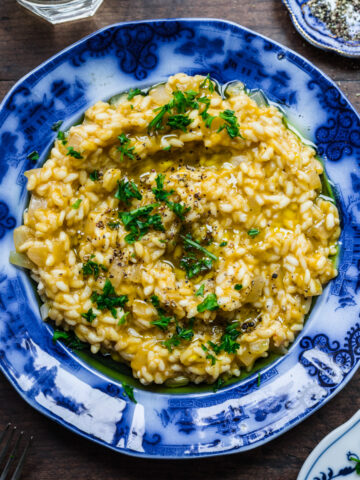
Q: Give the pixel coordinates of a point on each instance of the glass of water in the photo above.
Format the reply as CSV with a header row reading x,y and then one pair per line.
x,y
58,11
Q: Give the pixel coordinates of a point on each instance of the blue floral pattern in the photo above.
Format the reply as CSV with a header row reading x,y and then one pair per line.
x,y
245,414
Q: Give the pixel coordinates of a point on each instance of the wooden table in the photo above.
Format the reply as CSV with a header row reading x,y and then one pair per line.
x,y
25,42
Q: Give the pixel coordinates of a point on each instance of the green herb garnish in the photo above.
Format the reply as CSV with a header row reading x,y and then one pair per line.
x,y
127,190
253,232
94,175
61,136
139,221
189,242
208,83
128,392
167,149
193,266
179,335
209,356
124,148
162,195
135,91
223,244
238,286
179,122
162,322
231,124
210,303
114,225
228,341
220,382
357,466
55,126
69,339
89,315
93,268
74,153
33,156
122,319
108,299
76,204
258,379
200,292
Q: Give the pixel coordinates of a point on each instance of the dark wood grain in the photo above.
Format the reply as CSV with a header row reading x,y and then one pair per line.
x,y
26,41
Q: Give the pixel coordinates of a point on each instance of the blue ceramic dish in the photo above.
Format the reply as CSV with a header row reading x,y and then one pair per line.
x,y
316,32
90,402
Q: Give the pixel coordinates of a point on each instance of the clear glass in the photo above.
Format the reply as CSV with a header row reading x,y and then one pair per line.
x,y
58,11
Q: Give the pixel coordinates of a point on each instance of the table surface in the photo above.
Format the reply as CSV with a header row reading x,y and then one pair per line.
x,y
25,42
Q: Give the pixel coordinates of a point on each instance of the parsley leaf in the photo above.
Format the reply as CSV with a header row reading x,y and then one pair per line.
x,y
209,356
238,286
179,122
94,175
167,149
223,244
189,242
114,225
180,209
74,153
193,267
159,192
108,299
61,136
253,232
33,156
228,341
179,335
55,126
210,303
69,339
207,82
133,92
156,122
128,392
122,319
162,322
357,466
124,149
258,380
139,221
89,315
93,268
231,124
127,190
76,204
200,292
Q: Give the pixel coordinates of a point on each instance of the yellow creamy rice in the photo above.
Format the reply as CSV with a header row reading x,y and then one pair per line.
x,y
253,202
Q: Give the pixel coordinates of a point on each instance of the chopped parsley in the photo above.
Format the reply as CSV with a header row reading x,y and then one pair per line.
x,y
210,303
253,232
163,321
162,195
179,122
133,92
114,225
69,339
55,126
93,268
231,124
124,147
200,291
209,356
74,153
122,319
127,190
33,156
193,266
61,136
238,286
156,122
139,221
357,466
76,204
258,379
167,149
94,175
128,392
190,243
179,335
208,83
223,244
89,315
228,341
108,299
220,382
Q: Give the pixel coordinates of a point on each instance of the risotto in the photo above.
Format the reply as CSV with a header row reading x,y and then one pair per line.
x,y
182,231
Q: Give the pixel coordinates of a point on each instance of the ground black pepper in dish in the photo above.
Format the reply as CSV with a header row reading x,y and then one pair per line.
x,y
341,17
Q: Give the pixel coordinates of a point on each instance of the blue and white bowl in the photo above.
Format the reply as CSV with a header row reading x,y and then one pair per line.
x,y
70,388
316,32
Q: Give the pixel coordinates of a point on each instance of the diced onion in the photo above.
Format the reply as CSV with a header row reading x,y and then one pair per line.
x,y
234,88
44,311
21,235
117,99
176,382
257,286
160,95
259,98
20,260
